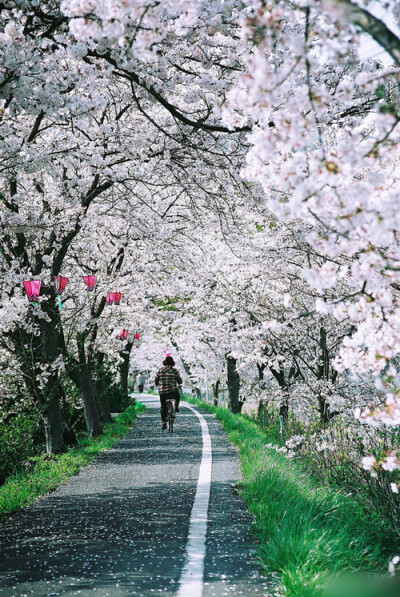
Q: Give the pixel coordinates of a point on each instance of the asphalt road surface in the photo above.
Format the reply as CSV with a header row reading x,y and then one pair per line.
x,y
140,520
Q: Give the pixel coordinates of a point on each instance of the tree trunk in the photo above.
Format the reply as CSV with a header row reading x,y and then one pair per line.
x,y
53,426
124,367
49,408
91,411
102,404
84,381
79,374
323,373
284,406
216,391
100,390
233,385
51,393
260,369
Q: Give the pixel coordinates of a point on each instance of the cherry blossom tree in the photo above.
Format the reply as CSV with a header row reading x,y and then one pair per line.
x,y
232,168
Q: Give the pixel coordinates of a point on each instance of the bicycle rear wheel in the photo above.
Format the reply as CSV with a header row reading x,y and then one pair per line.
x,y
170,417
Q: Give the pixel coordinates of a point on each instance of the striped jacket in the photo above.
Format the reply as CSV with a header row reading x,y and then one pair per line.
x,y
168,379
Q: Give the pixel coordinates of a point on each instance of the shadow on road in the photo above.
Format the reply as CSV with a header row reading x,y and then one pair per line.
x,y
120,526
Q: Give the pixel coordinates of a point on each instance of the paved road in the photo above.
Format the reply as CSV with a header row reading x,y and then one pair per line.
x,y
120,527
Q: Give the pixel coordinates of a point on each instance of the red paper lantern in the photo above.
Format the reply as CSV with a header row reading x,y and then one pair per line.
x,y
117,298
90,282
110,298
59,284
32,288
136,336
124,334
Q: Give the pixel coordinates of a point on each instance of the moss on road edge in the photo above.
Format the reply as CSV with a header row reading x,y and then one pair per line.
x,y
310,537
47,472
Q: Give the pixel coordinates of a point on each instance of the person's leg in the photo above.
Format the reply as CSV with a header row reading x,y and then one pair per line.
x,y
163,401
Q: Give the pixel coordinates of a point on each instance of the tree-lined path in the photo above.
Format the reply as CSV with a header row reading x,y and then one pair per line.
x,y
217,180
120,527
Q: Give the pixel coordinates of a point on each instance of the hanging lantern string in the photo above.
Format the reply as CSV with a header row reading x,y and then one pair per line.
x,y
32,289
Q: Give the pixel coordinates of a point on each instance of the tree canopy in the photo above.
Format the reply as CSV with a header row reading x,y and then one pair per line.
x,y
232,169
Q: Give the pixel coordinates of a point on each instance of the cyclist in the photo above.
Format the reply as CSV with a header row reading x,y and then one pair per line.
x,y
168,379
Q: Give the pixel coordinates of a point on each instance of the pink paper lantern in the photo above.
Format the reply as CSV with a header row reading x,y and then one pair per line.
x,y
32,289
59,284
90,282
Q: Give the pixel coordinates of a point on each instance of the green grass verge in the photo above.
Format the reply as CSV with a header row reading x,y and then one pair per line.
x,y
310,536
48,472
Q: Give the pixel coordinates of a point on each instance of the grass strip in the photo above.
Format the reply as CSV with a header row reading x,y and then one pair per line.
x,y
49,471
314,540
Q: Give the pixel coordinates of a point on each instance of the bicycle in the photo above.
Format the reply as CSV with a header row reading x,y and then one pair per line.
x,y
170,414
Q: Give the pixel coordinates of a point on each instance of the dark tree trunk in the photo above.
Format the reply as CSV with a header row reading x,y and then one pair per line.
x,y
82,378
124,367
215,388
100,390
53,426
100,386
260,408
50,418
324,410
102,404
79,374
260,369
233,385
90,408
284,406
49,352
323,373
323,361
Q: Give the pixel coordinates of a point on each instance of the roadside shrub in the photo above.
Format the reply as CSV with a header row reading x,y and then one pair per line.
x,y
20,439
335,457
117,400
333,454
72,408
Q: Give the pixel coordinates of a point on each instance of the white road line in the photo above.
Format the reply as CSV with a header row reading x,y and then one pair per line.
x,y
191,581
